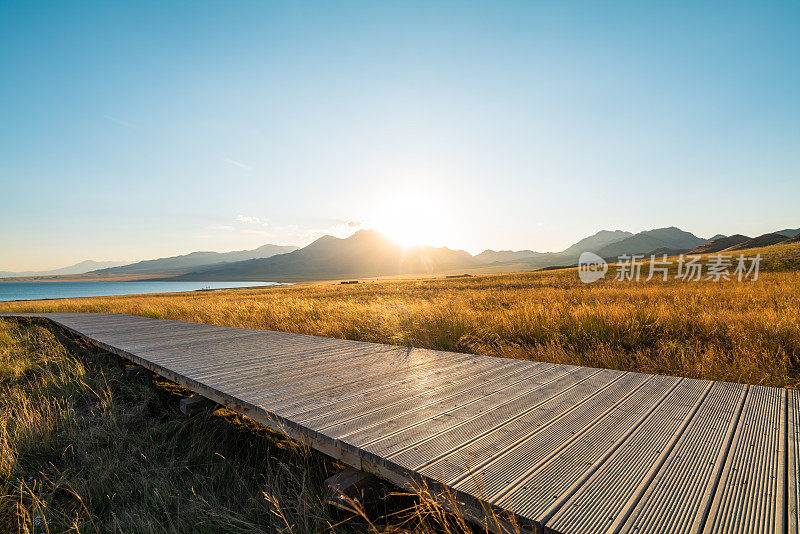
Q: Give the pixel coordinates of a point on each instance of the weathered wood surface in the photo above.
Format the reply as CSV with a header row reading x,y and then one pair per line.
x,y
561,448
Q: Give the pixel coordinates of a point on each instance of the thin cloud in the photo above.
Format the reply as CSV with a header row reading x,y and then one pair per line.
x,y
238,164
119,121
248,219
340,230
255,232
221,227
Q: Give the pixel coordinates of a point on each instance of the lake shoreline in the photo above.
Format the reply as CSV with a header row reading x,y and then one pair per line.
x,y
53,291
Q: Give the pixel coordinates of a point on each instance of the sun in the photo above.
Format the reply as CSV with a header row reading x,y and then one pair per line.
x,y
413,221
406,231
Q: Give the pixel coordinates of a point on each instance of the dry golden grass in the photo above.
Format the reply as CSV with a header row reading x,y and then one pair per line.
x,y
742,332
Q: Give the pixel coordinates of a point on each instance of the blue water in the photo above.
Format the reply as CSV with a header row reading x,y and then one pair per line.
x,y
62,290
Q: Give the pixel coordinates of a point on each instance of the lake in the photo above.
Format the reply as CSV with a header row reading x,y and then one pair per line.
x,y
62,290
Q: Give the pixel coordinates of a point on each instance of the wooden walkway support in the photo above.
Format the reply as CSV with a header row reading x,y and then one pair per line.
x,y
560,448
194,404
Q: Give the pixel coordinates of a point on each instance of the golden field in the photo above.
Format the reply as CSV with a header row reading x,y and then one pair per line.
x,y
733,331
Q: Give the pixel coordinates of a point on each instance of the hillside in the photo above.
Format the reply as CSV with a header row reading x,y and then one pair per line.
x,y
504,256
527,259
789,232
644,242
365,253
764,240
195,260
775,258
79,268
595,242
717,245
666,250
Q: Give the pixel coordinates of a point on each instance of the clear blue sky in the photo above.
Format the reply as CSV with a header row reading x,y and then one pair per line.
x,y
132,130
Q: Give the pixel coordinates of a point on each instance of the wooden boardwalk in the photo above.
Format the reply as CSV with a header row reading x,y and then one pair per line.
x,y
565,449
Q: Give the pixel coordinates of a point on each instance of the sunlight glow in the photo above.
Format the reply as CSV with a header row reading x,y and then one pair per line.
x,y
413,221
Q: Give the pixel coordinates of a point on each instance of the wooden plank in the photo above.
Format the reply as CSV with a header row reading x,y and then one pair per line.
x,y
176,341
355,388
413,377
549,419
523,450
223,359
750,496
679,498
793,464
291,366
602,501
468,381
404,432
538,487
119,325
264,368
417,410
542,404
340,368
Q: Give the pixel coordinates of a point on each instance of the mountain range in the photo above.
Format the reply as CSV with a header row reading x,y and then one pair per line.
x,y
367,253
195,260
78,268
644,242
742,242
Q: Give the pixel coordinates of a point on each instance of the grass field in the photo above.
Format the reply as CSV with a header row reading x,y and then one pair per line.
x,y
733,331
83,450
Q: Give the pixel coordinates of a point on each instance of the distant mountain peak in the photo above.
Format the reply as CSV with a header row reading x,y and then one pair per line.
x,y
365,253
719,244
668,238
596,242
82,267
194,260
789,232
505,256
763,240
